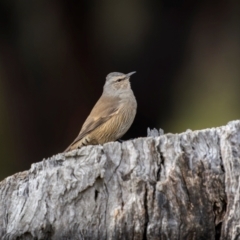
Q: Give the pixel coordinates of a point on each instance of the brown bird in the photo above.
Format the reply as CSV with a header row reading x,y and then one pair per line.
x,y
112,115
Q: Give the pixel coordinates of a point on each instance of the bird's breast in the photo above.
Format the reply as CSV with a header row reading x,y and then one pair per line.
x,y
126,115
119,123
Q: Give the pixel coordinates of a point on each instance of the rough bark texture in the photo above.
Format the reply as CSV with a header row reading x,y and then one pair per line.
x,y
173,186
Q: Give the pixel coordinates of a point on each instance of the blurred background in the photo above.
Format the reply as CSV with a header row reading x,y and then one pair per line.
x,y
55,55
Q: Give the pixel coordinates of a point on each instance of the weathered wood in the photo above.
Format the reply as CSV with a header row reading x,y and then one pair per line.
x,y
173,186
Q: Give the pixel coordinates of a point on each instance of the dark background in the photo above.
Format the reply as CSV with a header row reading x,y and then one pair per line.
x,y
55,55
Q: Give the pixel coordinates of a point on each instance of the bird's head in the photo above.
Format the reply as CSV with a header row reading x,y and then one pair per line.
x,y
117,82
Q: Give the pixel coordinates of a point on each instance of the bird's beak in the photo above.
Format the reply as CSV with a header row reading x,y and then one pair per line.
x,y
130,74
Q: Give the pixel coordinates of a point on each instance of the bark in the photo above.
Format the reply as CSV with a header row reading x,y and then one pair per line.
x,y
172,186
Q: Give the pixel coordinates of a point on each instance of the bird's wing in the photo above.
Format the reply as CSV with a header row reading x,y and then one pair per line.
x,y
103,110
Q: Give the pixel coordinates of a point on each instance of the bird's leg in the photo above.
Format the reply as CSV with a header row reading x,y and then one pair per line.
x,y
121,141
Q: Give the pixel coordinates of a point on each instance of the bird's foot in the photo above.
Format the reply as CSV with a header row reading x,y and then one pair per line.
x,y
121,141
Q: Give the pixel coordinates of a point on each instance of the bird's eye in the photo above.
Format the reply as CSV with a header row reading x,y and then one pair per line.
x,y
120,79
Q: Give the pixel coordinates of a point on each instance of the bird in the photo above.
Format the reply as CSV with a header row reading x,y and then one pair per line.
x,y
112,115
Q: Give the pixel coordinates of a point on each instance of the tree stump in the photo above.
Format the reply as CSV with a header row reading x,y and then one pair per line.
x,y
172,186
